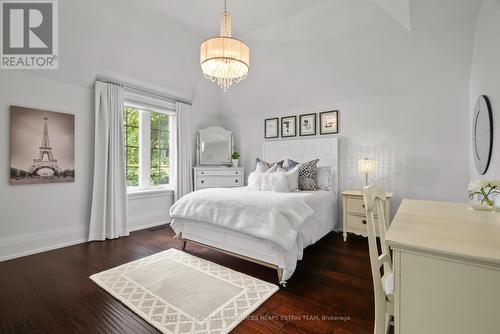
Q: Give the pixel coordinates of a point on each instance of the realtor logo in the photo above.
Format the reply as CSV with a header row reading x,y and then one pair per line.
x,y
29,34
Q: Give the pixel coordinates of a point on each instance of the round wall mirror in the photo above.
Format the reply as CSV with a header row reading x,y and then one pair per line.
x,y
482,134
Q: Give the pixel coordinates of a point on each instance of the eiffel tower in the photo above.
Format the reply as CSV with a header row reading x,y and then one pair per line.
x,y
45,157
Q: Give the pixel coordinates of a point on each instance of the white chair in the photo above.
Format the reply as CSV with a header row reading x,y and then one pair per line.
x,y
383,284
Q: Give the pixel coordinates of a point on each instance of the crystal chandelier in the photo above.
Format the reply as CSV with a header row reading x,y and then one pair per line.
x,y
224,59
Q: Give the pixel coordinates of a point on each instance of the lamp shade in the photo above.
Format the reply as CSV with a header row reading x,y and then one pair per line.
x,y
367,166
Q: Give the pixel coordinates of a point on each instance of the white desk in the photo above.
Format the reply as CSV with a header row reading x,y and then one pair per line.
x,y
447,268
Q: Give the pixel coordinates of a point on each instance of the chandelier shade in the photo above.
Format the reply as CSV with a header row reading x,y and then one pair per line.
x,y
224,59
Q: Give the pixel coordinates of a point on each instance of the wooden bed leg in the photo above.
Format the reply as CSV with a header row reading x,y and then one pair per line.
x,y
184,244
280,275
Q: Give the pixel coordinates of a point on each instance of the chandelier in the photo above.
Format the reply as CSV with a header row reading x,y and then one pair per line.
x,y
224,59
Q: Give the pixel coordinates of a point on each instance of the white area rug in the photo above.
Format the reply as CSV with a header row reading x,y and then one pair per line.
x,y
180,293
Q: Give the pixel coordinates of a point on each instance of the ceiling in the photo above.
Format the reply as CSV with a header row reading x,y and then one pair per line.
x,y
202,16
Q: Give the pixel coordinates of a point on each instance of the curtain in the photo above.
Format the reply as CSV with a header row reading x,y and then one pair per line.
x,y
108,218
184,180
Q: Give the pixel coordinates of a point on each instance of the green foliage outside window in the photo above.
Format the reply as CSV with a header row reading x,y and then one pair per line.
x,y
160,137
131,129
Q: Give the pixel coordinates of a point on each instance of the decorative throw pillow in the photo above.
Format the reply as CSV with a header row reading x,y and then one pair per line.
x,y
262,166
292,177
307,174
324,178
256,178
276,182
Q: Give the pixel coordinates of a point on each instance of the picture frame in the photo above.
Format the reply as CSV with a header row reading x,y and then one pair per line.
x,y
307,125
33,157
288,126
271,128
329,122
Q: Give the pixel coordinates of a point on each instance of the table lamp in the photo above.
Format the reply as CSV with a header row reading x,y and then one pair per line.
x,y
367,166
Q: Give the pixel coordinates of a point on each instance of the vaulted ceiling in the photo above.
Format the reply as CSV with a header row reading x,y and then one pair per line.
x,y
202,16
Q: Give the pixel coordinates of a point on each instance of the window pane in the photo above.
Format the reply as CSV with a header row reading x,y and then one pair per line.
x,y
164,138
154,139
164,175
154,120
164,158
164,122
132,116
132,156
132,136
132,176
155,158
154,176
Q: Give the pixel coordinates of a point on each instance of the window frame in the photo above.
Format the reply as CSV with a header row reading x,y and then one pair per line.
x,y
146,106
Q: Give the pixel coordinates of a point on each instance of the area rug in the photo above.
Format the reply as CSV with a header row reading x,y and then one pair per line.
x,y
180,293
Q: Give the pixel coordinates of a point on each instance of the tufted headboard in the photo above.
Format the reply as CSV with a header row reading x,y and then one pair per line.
x,y
303,150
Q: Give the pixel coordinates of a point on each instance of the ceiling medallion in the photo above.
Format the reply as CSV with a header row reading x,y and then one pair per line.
x,y
224,59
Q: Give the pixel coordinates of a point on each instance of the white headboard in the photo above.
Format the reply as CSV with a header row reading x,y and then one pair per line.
x,y
303,150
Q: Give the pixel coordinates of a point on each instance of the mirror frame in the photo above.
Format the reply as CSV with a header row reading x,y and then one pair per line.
x,y
477,111
219,130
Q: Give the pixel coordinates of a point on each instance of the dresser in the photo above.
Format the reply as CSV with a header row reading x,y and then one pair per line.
x,y
218,177
446,268
354,214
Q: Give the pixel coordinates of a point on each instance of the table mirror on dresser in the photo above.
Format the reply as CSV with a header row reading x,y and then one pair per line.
x,y
214,147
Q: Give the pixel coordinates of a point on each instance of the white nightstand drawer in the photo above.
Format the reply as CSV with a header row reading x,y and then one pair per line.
x,y
356,223
219,181
355,205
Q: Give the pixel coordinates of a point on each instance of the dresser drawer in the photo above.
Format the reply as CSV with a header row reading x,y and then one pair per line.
x,y
219,181
355,205
219,173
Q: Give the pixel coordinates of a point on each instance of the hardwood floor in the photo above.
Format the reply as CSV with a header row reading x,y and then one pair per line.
x,y
50,292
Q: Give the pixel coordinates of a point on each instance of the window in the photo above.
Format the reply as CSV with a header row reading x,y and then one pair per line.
x,y
148,141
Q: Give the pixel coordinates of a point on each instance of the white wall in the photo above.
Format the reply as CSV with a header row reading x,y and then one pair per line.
x,y
403,96
485,77
97,38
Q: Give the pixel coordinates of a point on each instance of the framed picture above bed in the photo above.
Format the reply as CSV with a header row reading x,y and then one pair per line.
x,y
307,125
271,128
288,126
329,122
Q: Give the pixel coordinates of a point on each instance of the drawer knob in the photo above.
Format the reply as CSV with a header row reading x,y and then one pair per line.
x,y
202,172
202,181
236,180
364,222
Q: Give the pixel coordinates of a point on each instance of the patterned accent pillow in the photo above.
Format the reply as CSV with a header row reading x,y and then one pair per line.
x,y
262,166
307,174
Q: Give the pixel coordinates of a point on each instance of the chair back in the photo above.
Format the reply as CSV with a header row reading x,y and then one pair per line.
x,y
375,202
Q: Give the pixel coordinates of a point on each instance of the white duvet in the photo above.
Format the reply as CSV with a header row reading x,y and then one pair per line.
x,y
290,220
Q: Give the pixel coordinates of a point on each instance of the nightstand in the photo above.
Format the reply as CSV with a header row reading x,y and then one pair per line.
x,y
355,214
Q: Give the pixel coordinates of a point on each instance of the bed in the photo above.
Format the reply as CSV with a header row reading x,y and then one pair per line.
x,y
231,230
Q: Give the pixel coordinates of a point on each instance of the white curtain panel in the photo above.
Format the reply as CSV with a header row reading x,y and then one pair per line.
x,y
108,218
184,180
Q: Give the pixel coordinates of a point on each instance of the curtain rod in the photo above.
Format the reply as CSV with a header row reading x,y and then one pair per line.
x,y
145,90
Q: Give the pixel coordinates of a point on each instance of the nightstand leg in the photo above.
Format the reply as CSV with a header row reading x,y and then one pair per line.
x,y
345,236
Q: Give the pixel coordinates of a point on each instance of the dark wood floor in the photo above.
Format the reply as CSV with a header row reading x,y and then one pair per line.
x,y
50,292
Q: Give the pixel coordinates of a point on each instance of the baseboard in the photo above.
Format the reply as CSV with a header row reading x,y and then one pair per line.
x,y
33,243
150,225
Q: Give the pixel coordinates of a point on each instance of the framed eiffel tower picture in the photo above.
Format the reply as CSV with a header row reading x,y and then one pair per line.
x,y
42,146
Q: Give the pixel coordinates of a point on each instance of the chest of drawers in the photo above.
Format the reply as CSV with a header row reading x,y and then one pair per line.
x,y
218,177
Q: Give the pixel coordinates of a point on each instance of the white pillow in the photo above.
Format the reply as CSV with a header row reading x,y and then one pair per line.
x,y
324,178
292,176
276,182
255,179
